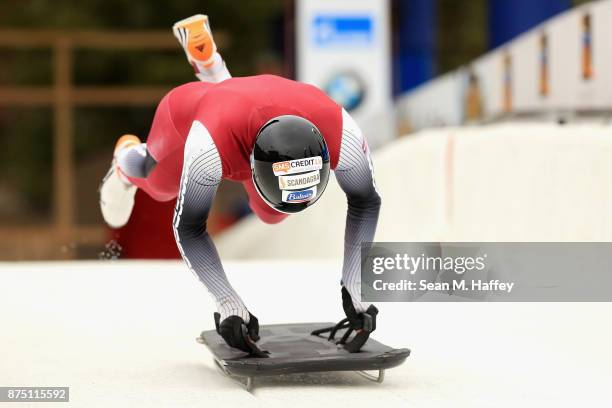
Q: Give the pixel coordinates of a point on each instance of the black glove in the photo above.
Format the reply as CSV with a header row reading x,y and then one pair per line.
x,y
240,335
363,323
358,321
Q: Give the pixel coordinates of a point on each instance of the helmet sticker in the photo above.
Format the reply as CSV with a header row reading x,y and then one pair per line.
x,y
297,166
299,196
299,181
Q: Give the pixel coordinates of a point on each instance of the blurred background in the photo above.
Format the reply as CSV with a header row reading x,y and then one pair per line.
x,y
431,82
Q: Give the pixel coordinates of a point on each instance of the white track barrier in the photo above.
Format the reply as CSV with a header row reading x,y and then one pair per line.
x,y
507,182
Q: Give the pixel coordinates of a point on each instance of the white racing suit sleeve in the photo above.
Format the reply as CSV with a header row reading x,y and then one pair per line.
x,y
355,176
202,173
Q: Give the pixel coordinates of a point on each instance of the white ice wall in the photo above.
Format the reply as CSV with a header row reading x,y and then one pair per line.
x,y
533,183
510,182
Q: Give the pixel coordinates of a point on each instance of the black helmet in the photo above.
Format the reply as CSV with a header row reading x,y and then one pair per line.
x,y
290,163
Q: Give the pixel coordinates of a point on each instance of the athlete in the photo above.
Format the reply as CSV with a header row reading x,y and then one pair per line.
x,y
279,138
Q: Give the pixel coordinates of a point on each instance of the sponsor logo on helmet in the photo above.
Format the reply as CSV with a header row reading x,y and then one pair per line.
x,y
299,181
297,166
300,196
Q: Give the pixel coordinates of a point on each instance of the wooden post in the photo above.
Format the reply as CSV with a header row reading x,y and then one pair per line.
x,y
63,163
59,239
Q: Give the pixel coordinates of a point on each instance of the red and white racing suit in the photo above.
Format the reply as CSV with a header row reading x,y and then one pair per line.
x,y
204,132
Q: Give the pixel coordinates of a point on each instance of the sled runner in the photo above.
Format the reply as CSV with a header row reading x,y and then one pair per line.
x,y
300,348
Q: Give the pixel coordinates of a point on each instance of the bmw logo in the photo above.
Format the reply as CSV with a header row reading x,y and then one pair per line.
x,y
346,89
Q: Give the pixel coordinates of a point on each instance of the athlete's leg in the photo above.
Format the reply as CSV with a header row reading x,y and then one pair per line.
x,y
131,160
137,167
132,168
116,191
265,213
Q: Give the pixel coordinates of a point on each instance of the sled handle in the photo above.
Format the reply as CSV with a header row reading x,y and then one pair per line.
x,y
254,350
361,337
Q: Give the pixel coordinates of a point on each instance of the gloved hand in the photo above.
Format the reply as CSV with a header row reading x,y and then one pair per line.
x,y
356,320
240,335
363,323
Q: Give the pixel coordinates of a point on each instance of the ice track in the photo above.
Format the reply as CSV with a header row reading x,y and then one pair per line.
x,y
122,333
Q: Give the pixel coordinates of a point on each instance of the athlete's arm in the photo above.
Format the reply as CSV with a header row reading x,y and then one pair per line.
x,y
356,178
202,174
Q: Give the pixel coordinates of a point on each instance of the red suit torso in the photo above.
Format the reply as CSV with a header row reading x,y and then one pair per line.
x,y
233,111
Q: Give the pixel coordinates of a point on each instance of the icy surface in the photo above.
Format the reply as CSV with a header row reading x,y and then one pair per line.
x,y
122,333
